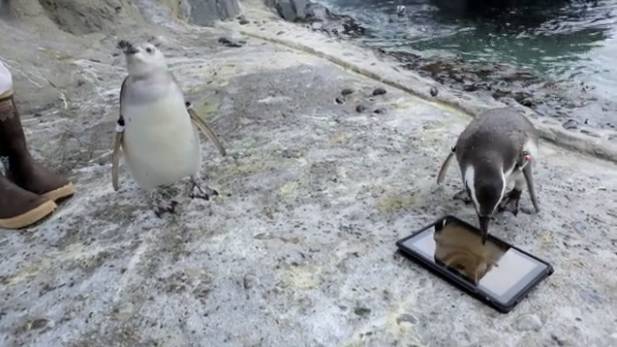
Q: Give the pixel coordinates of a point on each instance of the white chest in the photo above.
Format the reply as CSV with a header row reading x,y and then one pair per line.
x,y
160,142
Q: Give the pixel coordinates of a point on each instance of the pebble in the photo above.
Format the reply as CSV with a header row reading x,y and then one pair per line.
x,y
406,318
528,322
339,101
347,91
380,111
434,91
362,311
360,108
470,87
230,43
243,21
570,124
379,91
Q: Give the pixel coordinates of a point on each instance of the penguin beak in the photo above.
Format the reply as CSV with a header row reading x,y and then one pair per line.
x,y
484,227
127,47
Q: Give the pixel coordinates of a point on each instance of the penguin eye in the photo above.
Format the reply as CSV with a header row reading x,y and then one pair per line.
x,y
149,50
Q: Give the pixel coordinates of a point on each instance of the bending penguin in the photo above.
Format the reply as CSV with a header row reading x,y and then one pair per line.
x,y
495,151
157,128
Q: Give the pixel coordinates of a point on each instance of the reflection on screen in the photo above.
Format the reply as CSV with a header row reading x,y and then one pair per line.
x,y
496,269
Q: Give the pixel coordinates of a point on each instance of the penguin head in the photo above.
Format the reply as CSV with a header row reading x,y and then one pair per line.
x,y
486,186
143,59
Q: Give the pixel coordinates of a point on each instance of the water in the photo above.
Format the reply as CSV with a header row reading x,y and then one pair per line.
x,y
564,41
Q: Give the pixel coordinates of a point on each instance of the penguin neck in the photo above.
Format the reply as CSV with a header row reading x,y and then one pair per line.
x,y
151,76
485,179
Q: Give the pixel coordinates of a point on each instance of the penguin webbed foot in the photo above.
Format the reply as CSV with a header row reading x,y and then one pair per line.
x,y
463,196
511,202
162,205
201,191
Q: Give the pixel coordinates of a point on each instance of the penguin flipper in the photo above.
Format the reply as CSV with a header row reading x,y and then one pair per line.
x,y
444,167
206,130
530,186
115,157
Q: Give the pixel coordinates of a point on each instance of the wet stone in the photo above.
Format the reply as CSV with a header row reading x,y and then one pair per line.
x,y
379,91
360,108
570,124
228,42
434,92
470,87
347,91
362,311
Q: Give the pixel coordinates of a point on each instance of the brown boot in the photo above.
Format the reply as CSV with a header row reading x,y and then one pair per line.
x,y
22,169
20,208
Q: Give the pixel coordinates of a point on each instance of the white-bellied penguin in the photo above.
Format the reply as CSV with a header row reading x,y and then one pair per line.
x,y
496,150
157,128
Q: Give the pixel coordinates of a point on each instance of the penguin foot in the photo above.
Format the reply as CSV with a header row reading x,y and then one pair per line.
x,y
162,204
463,196
511,202
200,191
165,207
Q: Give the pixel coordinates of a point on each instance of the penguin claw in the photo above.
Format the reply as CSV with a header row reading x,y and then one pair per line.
x,y
199,191
204,193
165,207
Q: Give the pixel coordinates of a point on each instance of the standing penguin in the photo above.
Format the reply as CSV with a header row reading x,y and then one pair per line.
x,y
497,149
157,128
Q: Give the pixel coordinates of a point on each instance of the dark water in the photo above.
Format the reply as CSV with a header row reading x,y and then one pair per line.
x,y
565,41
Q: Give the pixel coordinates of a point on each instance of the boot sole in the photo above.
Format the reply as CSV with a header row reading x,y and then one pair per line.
x,y
60,193
30,217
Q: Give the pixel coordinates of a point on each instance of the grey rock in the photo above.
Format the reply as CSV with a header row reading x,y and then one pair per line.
x,y
434,92
290,10
243,21
229,42
570,124
300,8
207,12
347,91
360,108
317,12
362,311
379,91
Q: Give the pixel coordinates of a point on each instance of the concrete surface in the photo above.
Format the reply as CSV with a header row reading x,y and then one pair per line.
x,y
299,248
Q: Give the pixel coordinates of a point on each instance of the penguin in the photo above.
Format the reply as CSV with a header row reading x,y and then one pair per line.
x,y
157,130
495,151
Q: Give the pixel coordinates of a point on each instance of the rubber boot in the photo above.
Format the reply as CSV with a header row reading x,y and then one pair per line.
x,y
20,208
22,169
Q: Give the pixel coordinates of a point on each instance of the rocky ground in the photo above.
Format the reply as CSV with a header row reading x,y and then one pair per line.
x,y
299,248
